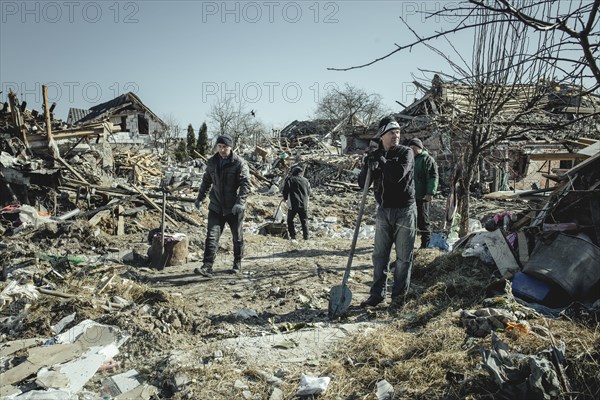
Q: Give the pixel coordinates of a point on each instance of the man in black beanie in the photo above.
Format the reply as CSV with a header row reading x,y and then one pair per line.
x,y
392,167
228,178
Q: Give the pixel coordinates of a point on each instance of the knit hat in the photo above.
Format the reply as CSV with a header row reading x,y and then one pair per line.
x,y
385,125
416,142
226,140
297,170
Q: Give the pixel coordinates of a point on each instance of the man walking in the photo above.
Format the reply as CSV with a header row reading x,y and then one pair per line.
x,y
296,191
426,183
228,178
391,168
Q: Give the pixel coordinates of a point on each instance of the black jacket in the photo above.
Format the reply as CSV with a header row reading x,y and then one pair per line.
x,y
297,189
229,184
393,182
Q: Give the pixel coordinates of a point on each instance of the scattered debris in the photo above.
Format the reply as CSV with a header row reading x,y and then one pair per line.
x,y
88,261
311,385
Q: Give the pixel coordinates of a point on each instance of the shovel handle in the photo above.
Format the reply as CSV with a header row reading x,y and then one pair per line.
x,y
361,208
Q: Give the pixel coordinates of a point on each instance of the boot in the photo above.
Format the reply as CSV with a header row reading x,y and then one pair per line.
x,y
205,270
237,267
372,301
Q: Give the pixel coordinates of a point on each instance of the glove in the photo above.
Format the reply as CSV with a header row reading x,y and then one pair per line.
x,y
237,209
198,203
375,161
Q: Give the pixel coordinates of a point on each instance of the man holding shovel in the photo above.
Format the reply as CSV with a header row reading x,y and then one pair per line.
x,y
227,176
392,168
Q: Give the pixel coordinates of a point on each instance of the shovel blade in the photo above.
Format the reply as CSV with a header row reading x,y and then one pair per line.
x,y
339,300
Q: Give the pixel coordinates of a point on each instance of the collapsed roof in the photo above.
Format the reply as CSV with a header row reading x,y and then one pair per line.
x,y
122,104
542,108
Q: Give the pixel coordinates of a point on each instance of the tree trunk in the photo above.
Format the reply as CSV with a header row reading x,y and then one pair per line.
x,y
469,168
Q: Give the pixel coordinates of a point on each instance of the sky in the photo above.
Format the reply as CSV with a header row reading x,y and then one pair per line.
x,y
181,57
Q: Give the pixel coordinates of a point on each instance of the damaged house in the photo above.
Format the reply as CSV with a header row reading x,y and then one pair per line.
x,y
137,122
305,133
35,147
554,133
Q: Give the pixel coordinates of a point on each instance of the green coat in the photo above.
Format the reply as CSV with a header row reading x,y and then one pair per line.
x,y
426,175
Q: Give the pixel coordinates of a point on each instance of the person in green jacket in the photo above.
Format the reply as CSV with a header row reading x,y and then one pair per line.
x,y
426,183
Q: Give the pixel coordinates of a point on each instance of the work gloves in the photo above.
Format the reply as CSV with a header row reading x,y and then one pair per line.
x,y
375,161
237,208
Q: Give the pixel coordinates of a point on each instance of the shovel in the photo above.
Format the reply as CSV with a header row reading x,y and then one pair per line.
x,y
276,217
340,296
161,261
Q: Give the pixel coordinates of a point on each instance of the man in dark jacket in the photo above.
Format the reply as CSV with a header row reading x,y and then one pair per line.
x,y
391,168
296,191
426,182
228,178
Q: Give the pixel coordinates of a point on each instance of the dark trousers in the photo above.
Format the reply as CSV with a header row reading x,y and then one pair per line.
x,y
303,221
216,223
423,222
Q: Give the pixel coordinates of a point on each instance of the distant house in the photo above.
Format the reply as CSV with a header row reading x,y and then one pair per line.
x,y
350,133
541,140
137,122
354,134
296,129
305,133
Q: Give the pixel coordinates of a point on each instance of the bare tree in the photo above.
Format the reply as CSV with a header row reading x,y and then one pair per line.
x,y
521,48
503,94
232,117
223,114
165,141
567,32
349,102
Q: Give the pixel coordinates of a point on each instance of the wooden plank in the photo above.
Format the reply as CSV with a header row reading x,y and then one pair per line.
x,y
95,220
17,117
153,204
73,135
523,250
586,141
73,171
501,252
557,156
51,143
47,114
120,221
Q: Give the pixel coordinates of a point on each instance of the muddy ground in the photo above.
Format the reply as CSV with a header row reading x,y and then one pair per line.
x,y
251,335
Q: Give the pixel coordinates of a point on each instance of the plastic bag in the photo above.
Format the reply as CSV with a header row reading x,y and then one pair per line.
x,y
479,250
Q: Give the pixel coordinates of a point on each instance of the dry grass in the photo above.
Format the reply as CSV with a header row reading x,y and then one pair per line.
x,y
425,354
420,349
